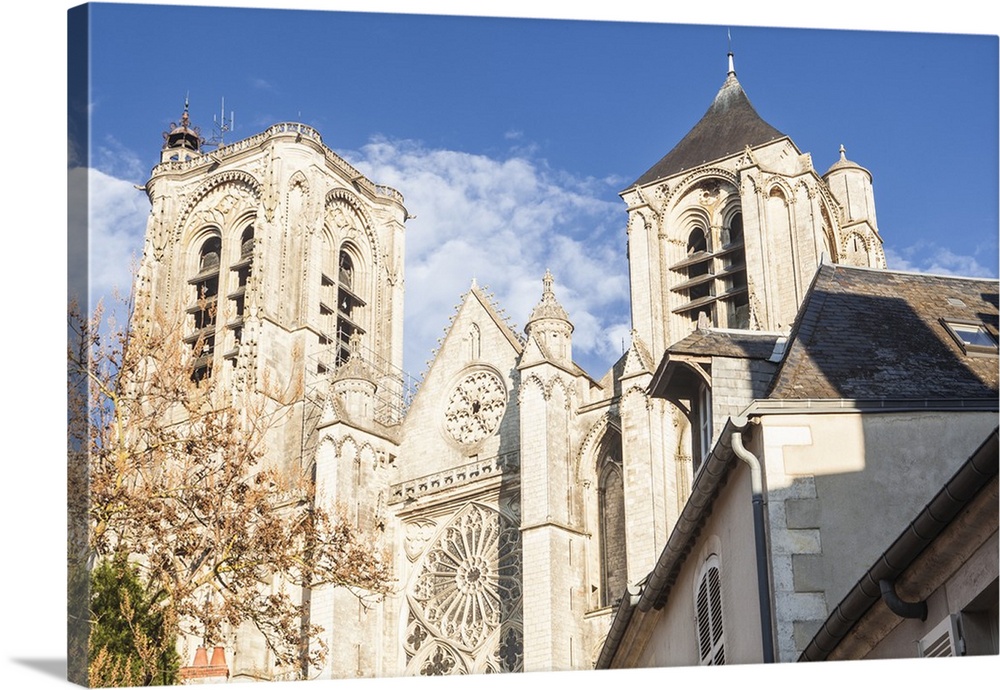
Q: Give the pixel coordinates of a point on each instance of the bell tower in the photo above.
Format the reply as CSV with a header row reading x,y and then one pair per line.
x,y
281,266
728,228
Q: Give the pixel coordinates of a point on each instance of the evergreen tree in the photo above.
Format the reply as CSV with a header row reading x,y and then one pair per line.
x,y
132,640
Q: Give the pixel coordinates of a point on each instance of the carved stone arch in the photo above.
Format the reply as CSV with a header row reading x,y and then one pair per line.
x,y
299,179
803,184
831,234
238,178
638,217
778,187
362,262
194,242
533,381
367,452
730,208
298,201
877,254
697,177
346,445
352,201
584,467
641,392
851,254
327,440
832,206
568,392
235,230
610,526
687,217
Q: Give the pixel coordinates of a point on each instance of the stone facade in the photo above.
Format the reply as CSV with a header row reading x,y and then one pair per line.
x,y
520,495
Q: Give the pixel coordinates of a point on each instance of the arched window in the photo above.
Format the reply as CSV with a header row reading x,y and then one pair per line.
x,y
475,338
349,305
708,615
701,425
857,251
611,514
204,306
696,286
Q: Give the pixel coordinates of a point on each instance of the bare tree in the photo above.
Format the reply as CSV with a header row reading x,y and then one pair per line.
x,y
177,482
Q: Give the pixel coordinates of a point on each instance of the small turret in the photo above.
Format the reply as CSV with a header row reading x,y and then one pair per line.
x,y
851,185
353,384
550,327
183,141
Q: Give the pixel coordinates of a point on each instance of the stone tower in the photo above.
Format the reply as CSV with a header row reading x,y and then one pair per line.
x,y
729,227
283,268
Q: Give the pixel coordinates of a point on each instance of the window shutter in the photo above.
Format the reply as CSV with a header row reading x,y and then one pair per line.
x,y
943,640
708,604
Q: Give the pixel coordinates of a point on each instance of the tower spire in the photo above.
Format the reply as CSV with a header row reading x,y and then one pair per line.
x,y
729,37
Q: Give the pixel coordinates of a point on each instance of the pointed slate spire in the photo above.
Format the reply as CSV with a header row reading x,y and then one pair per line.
x,y
728,127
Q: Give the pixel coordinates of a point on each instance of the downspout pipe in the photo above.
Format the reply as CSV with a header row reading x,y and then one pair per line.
x,y
760,544
623,616
903,609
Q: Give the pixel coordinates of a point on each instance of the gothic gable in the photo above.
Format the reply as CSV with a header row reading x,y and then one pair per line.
x,y
466,406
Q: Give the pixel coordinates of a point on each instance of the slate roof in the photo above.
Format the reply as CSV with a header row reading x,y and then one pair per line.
x,y
868,334
725,343
728,127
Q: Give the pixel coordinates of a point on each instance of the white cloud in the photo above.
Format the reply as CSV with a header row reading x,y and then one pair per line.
x,y
500,221
925,257
116,225
504,222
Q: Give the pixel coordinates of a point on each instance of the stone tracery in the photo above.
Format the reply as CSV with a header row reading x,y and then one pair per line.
x,y
475,407
465,598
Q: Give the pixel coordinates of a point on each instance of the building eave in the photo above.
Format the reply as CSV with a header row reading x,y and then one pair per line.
x,y
936,516
655,589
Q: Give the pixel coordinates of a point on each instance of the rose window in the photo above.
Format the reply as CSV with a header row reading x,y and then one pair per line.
x,y
466,586
475,407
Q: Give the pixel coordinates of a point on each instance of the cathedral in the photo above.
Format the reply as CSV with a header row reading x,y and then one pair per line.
x,y
520,494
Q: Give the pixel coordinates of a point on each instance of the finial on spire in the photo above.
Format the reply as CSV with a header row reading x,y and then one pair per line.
x,y
474,284
547,281
729,37
843,153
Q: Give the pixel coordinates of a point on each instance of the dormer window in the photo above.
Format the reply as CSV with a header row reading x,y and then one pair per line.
x,y
972,336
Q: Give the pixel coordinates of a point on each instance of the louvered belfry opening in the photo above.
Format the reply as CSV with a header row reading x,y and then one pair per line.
x,y
205,307
241,270
709,275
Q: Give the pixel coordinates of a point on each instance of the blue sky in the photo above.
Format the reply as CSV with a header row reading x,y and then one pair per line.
x,y
510,138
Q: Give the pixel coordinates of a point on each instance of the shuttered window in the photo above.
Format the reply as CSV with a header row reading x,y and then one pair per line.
x,y
708,605
943,640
